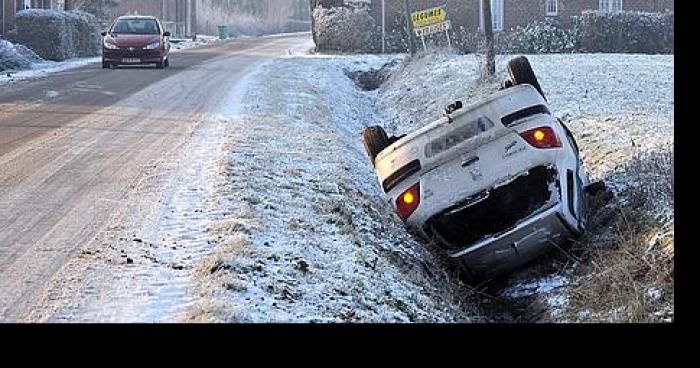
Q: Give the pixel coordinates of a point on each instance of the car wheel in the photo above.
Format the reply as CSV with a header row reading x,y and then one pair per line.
x,y
105,65
167,62
375,141
160,64
521,72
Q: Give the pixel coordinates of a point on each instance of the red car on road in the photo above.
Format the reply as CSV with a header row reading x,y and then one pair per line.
x,y
136,40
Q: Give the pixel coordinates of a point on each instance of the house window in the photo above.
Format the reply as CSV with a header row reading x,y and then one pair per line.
x,y
496,15
610,5
552,7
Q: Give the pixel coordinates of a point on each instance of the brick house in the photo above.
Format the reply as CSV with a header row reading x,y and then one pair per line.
x,y
9,8
508,14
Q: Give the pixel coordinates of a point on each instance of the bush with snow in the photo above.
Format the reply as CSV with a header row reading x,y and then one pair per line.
x,y
593,31
57,35
13,57
345,29
626,32
540,37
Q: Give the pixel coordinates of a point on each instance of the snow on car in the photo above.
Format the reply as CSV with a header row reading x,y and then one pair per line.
x,y
495,184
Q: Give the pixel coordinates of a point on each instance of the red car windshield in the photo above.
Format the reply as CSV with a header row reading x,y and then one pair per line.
x,y
136,26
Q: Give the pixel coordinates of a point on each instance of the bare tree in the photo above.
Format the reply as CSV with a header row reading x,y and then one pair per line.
x,y
97,7
488,32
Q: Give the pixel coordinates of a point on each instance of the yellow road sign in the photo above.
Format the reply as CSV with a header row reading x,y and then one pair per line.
x,y
427,17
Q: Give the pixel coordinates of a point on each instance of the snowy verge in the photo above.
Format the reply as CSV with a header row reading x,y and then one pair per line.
x,y
308,237
43,68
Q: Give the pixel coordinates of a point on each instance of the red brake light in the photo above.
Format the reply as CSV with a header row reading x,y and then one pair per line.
x,y
542,137
408,201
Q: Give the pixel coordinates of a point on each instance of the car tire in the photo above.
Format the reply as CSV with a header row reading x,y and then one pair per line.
x,y
521,72
375,141
167,62
106,65
160,64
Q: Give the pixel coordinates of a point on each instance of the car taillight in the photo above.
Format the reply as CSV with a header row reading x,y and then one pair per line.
x,y
408,201
542,137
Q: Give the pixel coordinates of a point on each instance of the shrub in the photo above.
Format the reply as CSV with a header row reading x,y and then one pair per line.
x,y
58,35
625,32
539,37
345,29
593,31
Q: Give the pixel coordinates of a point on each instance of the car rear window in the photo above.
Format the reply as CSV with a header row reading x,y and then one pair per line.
x,y
512,119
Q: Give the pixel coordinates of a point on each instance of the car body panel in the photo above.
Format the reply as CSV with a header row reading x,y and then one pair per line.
x,y
457,164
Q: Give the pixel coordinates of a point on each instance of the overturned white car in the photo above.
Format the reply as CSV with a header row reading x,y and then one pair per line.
x,y
495,184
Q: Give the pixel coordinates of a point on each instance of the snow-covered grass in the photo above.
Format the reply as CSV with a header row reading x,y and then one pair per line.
x,y
309,238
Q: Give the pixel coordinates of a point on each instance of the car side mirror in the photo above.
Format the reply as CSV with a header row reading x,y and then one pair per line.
x,y
166,34
104,33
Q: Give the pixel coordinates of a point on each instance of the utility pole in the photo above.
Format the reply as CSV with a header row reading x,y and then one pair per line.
x,y
409,21
488,32
383,27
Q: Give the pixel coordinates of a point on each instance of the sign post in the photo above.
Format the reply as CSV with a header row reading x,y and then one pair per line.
x,y
431,21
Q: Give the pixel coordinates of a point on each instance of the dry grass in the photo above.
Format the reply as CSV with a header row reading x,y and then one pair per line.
x,y
627,272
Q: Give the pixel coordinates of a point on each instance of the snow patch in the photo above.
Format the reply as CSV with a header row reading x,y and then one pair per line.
x,y
540,286
44,68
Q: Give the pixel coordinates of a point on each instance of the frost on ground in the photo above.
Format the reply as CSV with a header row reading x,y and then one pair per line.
x,y
620,108
15,56
188,43
309,238
17,63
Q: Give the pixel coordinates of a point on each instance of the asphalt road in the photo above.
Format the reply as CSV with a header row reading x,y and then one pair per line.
x,y
74,145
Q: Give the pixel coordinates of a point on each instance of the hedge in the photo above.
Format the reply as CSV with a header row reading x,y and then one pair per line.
x,y
344,29
57,35
593,31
